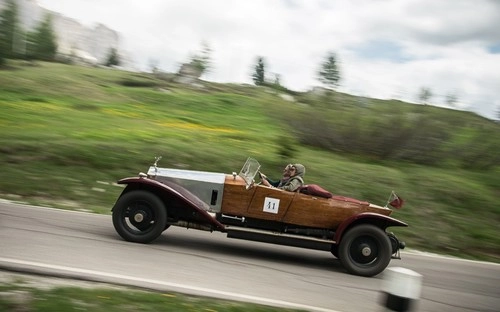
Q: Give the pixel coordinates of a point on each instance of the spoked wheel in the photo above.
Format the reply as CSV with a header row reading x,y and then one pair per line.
x,y
365,250
139,216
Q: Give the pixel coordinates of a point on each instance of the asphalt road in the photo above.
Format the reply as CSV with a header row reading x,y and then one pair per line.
x,y
86,246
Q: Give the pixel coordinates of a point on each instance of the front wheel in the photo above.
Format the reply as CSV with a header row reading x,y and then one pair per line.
x,y
365,250
139,216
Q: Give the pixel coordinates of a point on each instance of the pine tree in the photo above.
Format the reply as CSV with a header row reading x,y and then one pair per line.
x,y
8,27
329,73
42,42
259,72
113,58
202,61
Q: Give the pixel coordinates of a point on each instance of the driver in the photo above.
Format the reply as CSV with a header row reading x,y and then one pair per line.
x,y
292,179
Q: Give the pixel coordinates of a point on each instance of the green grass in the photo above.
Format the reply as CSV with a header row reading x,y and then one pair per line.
x,y
24,295
68,133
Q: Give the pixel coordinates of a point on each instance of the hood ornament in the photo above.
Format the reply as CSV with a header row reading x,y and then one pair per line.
x,y
157,159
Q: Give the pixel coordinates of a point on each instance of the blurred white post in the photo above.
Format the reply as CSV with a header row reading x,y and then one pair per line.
x,y
401,289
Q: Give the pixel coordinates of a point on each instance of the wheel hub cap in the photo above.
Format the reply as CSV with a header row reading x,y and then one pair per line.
x,y
366,251
138,217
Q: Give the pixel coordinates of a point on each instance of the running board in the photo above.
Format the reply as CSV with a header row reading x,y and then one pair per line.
x,y
279,238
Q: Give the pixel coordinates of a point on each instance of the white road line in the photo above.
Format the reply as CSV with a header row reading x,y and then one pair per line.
x,y
438,256
5,262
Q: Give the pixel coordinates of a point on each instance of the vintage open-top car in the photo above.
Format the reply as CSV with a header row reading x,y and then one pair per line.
x,y
353,231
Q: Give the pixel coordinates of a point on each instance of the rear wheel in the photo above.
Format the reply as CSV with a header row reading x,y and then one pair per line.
x,y
365,250
139,216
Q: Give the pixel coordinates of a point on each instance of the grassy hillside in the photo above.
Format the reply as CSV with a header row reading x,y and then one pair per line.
x,y
67,133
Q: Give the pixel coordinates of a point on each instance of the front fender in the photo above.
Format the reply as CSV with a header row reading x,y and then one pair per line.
x,y
170,189
379,220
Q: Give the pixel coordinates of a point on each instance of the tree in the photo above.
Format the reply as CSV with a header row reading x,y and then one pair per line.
x,y
154,65
277,80
202,61
259,74
8,28
328,73
451,99
42,42
113,58
425,95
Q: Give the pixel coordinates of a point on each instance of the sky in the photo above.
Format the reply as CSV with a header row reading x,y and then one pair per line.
x,y
387,49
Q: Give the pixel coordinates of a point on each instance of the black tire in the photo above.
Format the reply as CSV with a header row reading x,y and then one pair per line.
x,y
365,250
139,216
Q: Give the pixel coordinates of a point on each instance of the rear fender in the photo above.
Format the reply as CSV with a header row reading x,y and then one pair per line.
x,y
168,190
376,219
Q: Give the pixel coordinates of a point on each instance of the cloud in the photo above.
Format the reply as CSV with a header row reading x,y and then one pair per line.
x,y
385,48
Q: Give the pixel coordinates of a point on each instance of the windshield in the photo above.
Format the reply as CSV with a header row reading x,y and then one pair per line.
x,y
249,170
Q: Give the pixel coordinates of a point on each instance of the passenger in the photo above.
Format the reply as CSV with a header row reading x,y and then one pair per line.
x,y
292,179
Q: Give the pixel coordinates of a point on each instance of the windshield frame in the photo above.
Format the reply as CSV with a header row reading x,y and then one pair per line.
x,y
249,171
